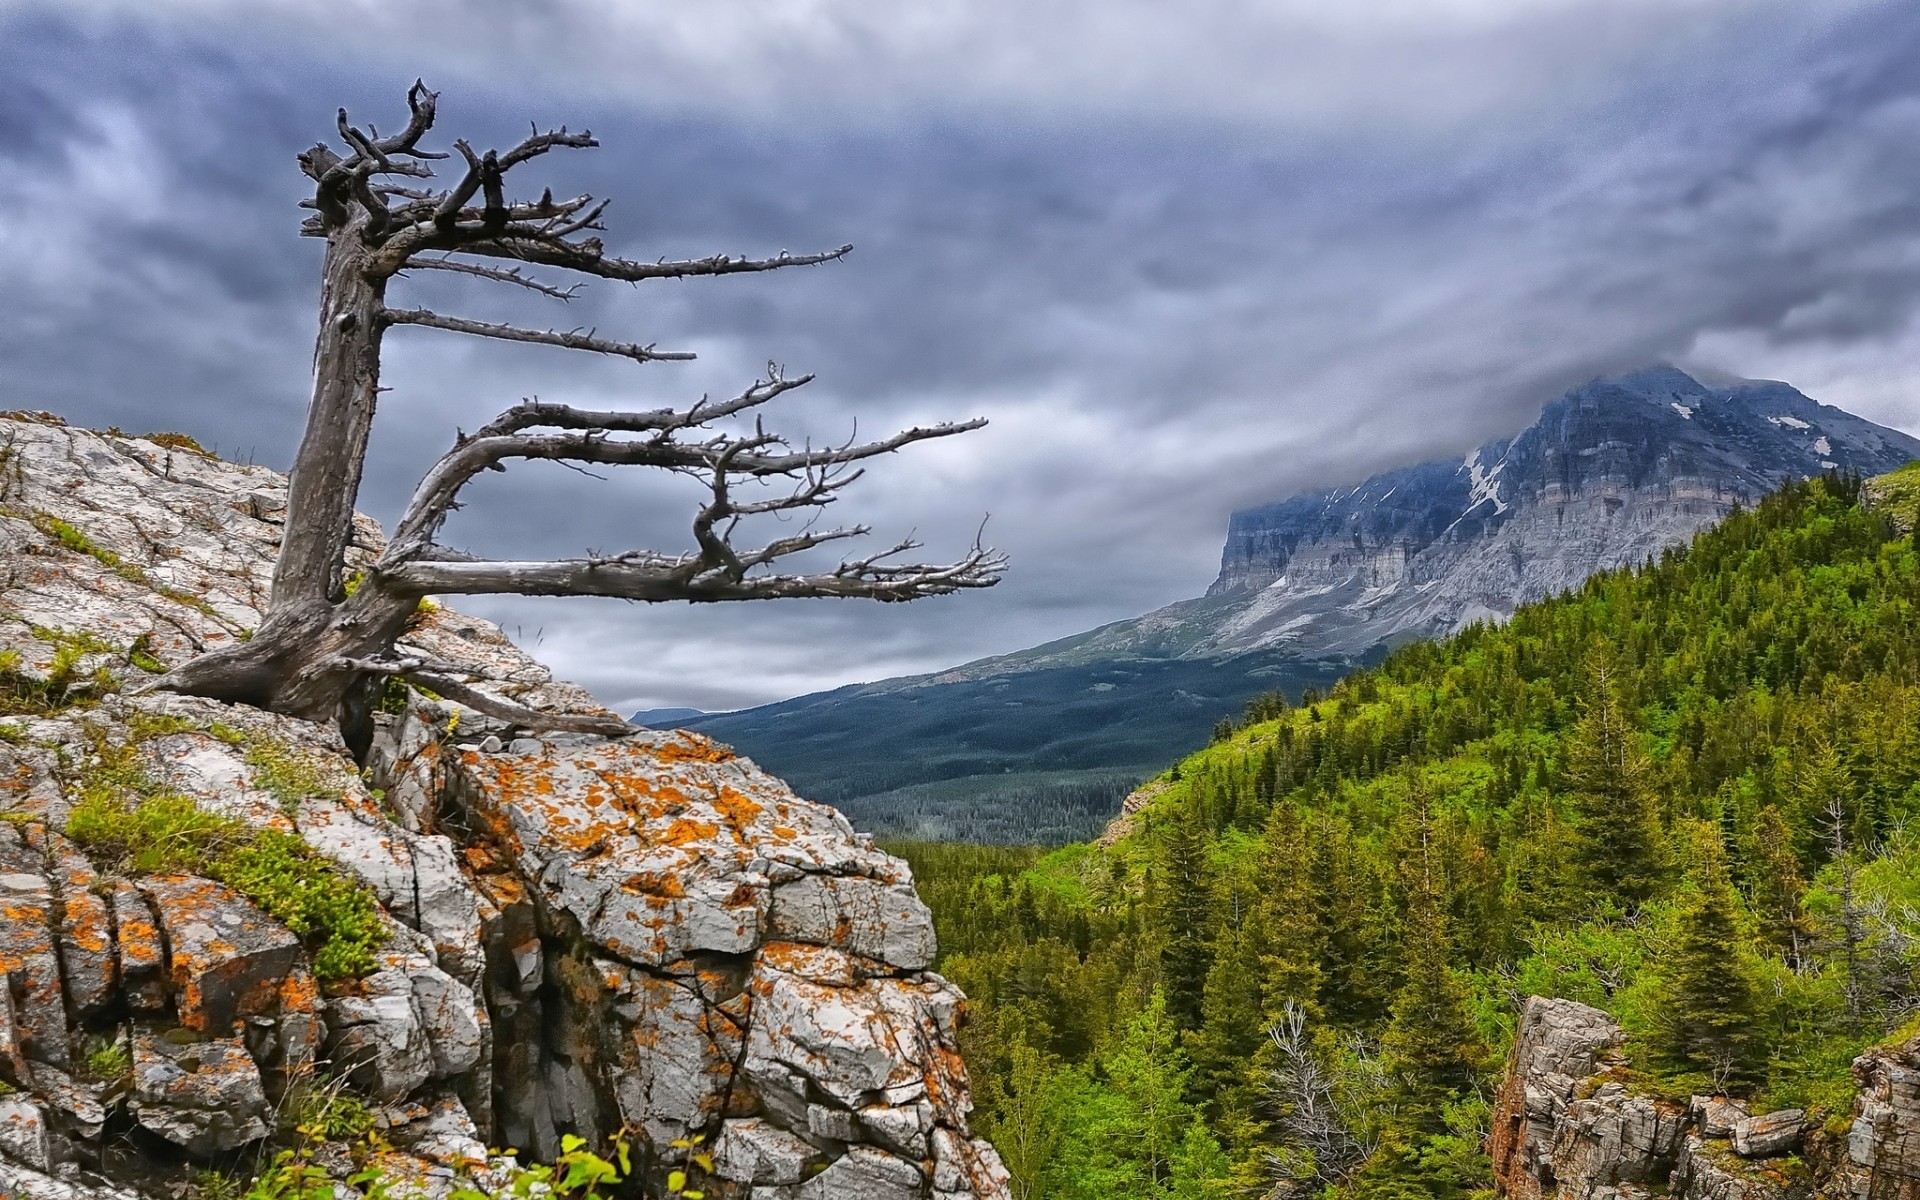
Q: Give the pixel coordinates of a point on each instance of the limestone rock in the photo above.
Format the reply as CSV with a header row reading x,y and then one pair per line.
x,y
29,953
226,958
1611,1138
649,934
25,1136
752,1151
1882,1160
204,1096
1715,1116
1558,1044
1769,1135
1706,1171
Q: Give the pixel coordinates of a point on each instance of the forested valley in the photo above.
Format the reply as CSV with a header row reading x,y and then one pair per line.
x,y
1683,793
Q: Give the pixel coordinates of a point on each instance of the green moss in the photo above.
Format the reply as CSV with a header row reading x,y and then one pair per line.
x,y
128,823
65,685
180,441
140,654
287,774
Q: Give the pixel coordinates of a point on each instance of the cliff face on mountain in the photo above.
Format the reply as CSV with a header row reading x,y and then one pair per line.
x,y
1570,1124
482,939
1609,474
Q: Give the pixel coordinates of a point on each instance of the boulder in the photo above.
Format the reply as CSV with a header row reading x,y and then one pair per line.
x,y
1769,1135
25,1135
752,1151
226,960
1706,1171
1715,1116
203,1096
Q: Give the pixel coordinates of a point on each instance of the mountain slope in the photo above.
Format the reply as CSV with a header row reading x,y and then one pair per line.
x,y
1687,795
1608,475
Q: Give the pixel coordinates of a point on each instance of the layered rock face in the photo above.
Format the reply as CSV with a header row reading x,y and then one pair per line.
x,y
580,936
1568,1124
1611,473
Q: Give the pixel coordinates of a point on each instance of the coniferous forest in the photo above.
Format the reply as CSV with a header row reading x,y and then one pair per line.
x,y
1684,793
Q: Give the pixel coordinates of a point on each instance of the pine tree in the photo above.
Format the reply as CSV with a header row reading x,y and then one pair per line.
x,y
1779,888
1708,1004
1150,1074
1228,1035
1432,1045
1023,1127
1186,906
1617,833
1291,940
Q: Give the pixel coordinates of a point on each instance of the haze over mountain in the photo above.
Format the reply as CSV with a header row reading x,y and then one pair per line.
x,y
1609,474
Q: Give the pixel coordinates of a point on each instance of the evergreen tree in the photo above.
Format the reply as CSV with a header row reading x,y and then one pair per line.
x,y
1229,1034
1616,832
1150,1075
1200,1170
1186,906
1708,1004
1291,943
1432,1045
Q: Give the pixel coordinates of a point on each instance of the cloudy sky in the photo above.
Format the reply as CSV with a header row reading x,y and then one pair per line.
x,y
1184,257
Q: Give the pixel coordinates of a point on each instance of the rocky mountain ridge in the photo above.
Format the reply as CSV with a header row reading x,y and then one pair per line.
x,y
566,935
1612,472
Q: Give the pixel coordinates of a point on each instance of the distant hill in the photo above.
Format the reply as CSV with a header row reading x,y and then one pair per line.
x,y
666,718
1608,475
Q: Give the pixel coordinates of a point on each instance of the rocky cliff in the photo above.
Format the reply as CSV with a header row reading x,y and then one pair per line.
x,y
1572,1122
483,939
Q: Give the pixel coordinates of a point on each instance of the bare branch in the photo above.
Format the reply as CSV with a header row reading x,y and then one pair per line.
x,y
498,274
519,714
532,414
547,337
589,259
644,577
434,499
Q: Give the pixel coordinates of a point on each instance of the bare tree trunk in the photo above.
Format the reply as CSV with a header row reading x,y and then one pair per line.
x,y
319,652
346,387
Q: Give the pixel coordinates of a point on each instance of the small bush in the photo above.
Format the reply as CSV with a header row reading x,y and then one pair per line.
x,y
129,824
108,1058
180,441
324,1112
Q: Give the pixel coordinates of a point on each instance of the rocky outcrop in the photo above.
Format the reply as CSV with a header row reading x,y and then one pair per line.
x,y
1881,1160
574,936
1568,1125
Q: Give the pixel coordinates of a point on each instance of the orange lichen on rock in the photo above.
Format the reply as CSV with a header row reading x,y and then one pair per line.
x,y
684,830
692,747
738,810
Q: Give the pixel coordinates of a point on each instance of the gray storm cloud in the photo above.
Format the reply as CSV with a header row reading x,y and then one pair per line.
x,y
1182,265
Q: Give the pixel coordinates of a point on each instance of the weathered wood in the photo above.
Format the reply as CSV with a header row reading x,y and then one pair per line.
x,y
318,650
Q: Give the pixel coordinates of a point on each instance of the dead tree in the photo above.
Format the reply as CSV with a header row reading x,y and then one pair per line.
x,y
320,652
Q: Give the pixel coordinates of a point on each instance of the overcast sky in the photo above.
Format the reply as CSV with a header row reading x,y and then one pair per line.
x,y
1186,257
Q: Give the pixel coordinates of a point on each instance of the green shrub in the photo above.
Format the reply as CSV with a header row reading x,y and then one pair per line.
x,y
285,773
127,823
108,1058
